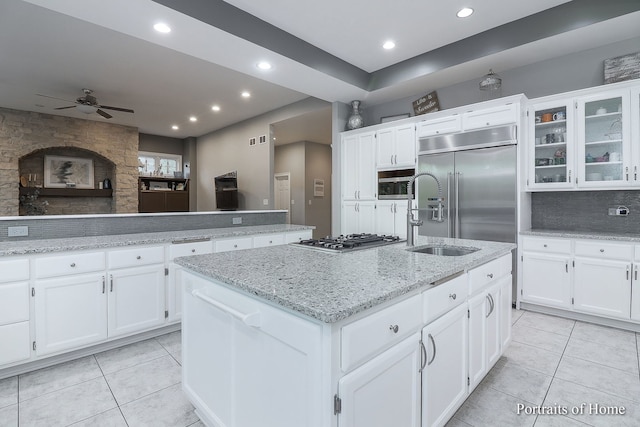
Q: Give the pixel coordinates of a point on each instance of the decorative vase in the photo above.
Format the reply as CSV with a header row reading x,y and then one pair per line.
x,y
355,119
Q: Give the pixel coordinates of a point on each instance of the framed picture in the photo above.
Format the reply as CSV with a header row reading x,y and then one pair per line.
x,y
393,118
318,187
63,172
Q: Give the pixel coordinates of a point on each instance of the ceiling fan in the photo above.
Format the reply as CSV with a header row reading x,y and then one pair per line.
x,y
89,104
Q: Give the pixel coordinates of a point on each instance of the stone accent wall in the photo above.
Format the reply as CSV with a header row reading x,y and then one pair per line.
x,y
24,132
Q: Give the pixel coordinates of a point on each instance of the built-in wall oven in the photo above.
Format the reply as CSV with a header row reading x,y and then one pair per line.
x,y
393,184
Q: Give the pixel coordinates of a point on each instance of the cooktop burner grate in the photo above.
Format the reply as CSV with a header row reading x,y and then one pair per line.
x,y
349,242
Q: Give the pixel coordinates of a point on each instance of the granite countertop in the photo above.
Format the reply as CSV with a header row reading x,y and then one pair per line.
x,y
25,247
598,235
333,286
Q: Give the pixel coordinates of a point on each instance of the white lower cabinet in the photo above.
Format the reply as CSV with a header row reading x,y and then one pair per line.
x,y
546,279
135,299
358,217
444,377
391,218
602,287
247,364
15,338
70,312
384,391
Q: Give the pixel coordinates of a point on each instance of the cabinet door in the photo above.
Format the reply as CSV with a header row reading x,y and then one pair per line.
x,y
478,306
350,153
635,293
16,343
366,217
546,280
604,157
493,324
602,287
635,136
385,142
400,226
488,117
384,391
349,218
551,145
385,218
70,312
506,301
366,165
136,299
444,378
405,147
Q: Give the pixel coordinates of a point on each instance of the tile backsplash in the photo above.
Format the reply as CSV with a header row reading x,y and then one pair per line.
x,y
585,211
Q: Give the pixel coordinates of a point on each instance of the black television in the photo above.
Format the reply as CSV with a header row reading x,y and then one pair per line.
x,y
226,187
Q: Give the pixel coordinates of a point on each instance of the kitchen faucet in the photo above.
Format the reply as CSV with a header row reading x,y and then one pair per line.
x,y
438,211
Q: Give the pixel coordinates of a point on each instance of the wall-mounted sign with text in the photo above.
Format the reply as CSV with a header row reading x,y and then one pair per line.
x,y
426,104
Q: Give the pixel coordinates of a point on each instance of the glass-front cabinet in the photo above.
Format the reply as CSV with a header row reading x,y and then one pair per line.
x,y
604,140
551,145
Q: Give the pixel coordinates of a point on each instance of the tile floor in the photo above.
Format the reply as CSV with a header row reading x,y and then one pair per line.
x,y
552,362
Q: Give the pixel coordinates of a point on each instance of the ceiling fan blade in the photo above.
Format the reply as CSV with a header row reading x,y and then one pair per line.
x,y
126,110
53,97
104,114
64,108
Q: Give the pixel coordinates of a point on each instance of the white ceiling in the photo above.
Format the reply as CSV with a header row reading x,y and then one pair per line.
x,y
58,47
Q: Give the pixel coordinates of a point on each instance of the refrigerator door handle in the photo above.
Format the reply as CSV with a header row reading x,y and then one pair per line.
x,y
456,226
450,201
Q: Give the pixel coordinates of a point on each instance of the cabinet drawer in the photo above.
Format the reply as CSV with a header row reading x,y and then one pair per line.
x,y
496,116
439,126
604,250
14,302
226,245
364,338
481,276
74,263
14,270
444,297
268,240
123,258
543,244
16,344
296,236
191,248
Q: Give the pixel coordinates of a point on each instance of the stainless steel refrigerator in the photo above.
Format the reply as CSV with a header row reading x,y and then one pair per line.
x,y
477,171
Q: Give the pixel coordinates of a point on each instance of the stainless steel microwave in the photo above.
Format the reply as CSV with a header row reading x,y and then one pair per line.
x,y
392,185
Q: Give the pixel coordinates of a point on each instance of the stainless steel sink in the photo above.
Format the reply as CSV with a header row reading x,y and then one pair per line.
x,y
442,250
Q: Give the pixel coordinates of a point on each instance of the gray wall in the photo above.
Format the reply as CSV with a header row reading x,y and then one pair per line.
x,y
318,166
291,158
160,144
228,150
585,211
570,72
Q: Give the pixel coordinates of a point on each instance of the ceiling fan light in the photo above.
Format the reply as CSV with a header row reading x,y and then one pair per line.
x,y
87,109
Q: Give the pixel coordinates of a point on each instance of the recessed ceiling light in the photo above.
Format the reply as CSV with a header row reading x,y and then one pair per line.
x,y
161,27
388,45
264,65
215,108
464,12
246,94
193,119
175,127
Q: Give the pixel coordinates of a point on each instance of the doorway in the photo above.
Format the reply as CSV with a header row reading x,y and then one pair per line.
x,y
282,192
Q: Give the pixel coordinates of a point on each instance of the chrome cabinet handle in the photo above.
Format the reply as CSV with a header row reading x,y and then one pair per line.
x,y
73,264
138,257
103,285
193,251
627,272
453,296
355,194
423,356
601,250
235,246
433,343
111,280
636,273
394,328
491,304
627,173
490,275
396,159
392,159
569,175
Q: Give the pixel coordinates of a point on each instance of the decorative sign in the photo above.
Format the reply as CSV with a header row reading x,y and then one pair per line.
x,y
318,187
626,67
426,104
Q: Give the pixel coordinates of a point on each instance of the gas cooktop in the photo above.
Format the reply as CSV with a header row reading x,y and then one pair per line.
x,y
348,243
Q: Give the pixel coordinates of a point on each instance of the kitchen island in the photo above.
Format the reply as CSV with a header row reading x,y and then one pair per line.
x,y
288,336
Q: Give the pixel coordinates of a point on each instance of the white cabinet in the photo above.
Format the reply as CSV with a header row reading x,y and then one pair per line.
x,y
296,236
238,351
232,244
174,290
396,147
391,218
70,312
265,240
546,277
602,278
14,311
444,377
384,391
635,287
489,117
359,166
358,217
440,126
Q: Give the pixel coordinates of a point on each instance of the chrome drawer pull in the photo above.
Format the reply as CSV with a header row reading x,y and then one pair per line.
x,y
73,264
138,257
453,296
490,275
601,250
433,343
193,251
394,328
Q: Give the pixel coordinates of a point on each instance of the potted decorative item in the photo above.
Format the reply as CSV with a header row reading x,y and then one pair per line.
x,y
355,119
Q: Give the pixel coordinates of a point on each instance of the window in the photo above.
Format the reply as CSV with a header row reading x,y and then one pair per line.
x,y
158,164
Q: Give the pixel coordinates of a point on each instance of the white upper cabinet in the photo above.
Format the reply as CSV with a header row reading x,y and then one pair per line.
x,y
396,146
359,166
440,126
490,117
